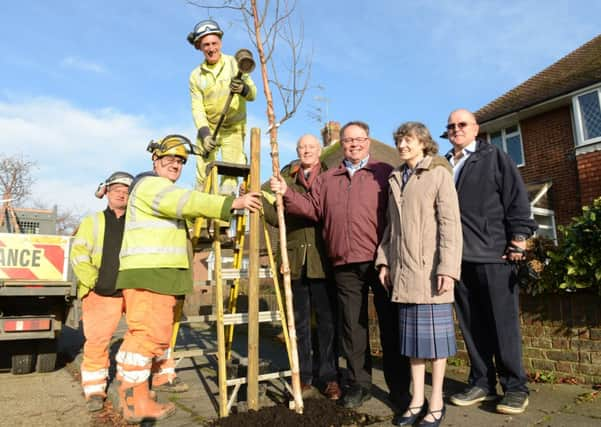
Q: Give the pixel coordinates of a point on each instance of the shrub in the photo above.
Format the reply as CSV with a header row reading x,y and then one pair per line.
x,y
579,254
575,263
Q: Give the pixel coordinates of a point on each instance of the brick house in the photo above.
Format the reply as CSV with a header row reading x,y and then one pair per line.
x,y
551,126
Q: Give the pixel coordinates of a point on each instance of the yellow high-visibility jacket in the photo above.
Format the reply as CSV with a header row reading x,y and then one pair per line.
x,y
209,89
155,233
86,252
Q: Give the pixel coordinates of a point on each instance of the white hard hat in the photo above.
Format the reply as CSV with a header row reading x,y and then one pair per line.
x,y
204,28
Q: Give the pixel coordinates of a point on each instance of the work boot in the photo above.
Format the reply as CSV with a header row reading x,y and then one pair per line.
x,y
138,406
177,385
95,402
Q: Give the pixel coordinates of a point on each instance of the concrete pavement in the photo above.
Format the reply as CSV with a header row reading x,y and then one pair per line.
x,y
55,399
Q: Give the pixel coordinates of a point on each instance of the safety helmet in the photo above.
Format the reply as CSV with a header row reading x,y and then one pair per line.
x,y
118,177
204,28
171,145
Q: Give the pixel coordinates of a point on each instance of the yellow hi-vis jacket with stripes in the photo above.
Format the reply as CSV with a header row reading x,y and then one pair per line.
x,y
209,89
155,233
86,252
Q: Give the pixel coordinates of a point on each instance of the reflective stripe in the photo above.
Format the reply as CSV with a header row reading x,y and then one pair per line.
x,y
131,211
164,223
181,203
95,248
94,389
132,359
148,250
81,258
163,356
78,241
166,371
134,377
156,202
94,375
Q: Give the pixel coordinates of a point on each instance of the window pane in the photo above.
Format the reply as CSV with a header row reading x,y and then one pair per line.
x,y
497,139
545,226
514,149
511,129
591,115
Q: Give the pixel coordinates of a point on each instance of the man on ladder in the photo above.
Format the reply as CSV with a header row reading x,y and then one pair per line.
x,y
155,267
211,83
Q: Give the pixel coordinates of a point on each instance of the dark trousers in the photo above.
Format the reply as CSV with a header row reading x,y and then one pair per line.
x,y
353,282
487,307
318,296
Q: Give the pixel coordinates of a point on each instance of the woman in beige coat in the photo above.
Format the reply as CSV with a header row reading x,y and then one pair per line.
x,y
419,260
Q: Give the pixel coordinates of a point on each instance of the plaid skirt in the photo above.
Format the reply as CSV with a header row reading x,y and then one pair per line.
x,y
427,331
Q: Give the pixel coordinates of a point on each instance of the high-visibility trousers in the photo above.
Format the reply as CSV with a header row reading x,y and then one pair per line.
x,y
149,325
232,151
100,316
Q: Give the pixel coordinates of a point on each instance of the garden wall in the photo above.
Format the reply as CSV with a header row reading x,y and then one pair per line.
x,y
561,335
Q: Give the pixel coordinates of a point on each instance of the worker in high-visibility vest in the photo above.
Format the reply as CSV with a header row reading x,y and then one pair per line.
x,y
95,260
210,85
155,267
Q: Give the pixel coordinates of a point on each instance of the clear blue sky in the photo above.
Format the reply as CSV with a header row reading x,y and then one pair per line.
x,y
84,85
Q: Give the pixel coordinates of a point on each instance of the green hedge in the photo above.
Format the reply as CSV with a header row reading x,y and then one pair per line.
x,y
574,264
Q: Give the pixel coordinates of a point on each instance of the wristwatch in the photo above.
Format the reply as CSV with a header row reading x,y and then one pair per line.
x,y
519,237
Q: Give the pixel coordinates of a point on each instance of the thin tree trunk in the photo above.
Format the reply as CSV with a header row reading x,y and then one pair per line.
x,y
275,161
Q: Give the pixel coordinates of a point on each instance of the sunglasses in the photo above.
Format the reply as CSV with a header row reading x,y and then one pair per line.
x,y
460,126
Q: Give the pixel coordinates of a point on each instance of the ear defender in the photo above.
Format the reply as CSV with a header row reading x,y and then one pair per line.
x,y
101,190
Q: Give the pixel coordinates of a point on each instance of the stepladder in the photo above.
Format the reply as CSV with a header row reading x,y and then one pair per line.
x,y
239,273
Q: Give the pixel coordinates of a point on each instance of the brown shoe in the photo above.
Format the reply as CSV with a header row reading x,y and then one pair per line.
x,y
307,390
332,390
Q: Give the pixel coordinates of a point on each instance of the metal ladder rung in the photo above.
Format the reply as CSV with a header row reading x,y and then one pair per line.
x,y
234,318
196,352
229,169
262,377
233,273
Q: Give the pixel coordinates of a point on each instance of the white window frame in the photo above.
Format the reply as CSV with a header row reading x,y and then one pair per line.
x,y
548,213
505,135
580,141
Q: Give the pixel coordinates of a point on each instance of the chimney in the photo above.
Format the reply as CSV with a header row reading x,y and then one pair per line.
x,y
330,133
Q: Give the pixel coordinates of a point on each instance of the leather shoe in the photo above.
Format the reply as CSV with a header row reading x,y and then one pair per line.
x,y
437,420
409,420
471,395
332,390
355,397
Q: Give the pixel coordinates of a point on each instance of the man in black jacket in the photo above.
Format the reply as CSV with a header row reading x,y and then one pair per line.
x,y
495,215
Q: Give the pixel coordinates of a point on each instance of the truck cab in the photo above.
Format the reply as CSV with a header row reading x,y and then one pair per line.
x,y
37,295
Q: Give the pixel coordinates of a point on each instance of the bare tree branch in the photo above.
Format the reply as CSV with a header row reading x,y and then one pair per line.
x,y
15,178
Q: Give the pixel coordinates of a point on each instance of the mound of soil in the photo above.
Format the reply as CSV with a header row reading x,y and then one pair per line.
x,y
316,413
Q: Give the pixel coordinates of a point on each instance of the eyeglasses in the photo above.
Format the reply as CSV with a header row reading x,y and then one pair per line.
x,y
460,126
168,160
359,139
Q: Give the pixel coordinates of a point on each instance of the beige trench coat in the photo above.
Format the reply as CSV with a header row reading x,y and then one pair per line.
x,y
423,235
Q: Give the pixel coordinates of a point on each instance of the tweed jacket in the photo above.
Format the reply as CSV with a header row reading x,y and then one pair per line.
x,y
422,238
305,243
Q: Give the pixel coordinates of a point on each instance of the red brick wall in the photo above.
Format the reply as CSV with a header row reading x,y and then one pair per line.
x,y
560,334
549,153
589,171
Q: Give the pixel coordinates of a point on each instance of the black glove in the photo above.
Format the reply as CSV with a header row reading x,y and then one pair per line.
x,y
208,143
238,86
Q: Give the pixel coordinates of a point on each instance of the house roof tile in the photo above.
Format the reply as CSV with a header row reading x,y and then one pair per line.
x,y
578,69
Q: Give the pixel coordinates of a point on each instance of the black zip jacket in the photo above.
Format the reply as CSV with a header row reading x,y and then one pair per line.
x,y
494,204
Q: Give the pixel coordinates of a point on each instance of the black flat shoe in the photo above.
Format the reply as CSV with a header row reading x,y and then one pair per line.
x,y
409,420
437,420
